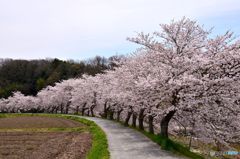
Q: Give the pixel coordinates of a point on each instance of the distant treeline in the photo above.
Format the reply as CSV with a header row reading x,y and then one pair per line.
x,y
30,76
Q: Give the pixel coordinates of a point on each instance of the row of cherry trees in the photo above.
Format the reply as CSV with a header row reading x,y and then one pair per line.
x,y
181,74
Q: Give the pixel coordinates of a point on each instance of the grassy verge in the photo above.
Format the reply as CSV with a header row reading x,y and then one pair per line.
x,y
172,146
99,149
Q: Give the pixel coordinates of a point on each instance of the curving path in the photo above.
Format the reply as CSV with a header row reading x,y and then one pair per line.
x,y
127,143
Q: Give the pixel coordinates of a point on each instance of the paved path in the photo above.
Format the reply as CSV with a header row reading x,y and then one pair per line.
x,y
127,143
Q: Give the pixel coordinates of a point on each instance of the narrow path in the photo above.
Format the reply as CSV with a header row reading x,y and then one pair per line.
x,y
127,143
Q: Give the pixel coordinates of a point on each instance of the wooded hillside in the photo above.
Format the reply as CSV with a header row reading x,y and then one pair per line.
x,y
30,76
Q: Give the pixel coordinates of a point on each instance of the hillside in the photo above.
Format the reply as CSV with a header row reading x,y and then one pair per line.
x,y
30,76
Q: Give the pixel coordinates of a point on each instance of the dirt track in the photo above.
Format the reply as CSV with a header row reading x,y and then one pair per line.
x,y
42,145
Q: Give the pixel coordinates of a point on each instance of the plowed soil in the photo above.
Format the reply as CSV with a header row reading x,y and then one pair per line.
x,y
37,122
42,145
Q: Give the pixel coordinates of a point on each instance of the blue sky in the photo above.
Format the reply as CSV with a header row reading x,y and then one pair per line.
x,y
80,29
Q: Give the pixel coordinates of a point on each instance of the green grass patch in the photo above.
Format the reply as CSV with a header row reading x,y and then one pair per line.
x,y
173,146
99,149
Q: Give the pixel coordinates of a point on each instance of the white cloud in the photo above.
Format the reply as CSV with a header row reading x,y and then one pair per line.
x,y
82,28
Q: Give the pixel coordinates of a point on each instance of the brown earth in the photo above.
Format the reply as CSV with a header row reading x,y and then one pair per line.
x,y
42,145
37,122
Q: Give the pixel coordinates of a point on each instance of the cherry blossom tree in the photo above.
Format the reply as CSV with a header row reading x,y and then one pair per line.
x,y
180,75
175,56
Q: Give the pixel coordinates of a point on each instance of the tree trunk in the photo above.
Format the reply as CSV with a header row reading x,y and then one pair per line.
x,y
46,110
141,118
52,111
83,109
56,110
61,109
92,112
94,104
105,111
77,109
164,123
128,118
150,122
88,112
190,142
67,108
118,114
134,119
111,114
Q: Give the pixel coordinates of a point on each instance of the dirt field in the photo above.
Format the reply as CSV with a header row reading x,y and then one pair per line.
x,y
37,122
42,145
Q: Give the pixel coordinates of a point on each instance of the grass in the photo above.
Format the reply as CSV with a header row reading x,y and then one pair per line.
x,y
173,146
99,149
